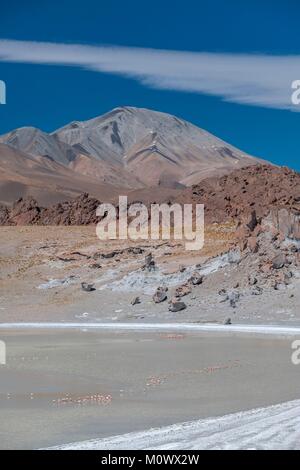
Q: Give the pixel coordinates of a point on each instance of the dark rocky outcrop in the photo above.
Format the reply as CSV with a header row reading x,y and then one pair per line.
x,y
246,195
79,211
249,193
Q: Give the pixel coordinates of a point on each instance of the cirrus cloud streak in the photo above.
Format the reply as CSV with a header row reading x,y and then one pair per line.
x,y
249,79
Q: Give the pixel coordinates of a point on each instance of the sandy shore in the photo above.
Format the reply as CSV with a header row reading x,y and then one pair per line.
x,y
91,384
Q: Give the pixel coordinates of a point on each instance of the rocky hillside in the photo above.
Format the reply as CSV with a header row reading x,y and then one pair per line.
x,y
79,211
22,175
260,189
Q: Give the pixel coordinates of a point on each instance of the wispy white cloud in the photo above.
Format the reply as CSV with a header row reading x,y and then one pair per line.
x,y
251,79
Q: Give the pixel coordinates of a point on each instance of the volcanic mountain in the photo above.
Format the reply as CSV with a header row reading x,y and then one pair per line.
x,y
127,149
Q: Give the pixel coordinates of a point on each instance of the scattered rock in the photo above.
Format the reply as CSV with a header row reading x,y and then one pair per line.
x,y
77,253
279,261
183,290
222,292
136,250
279,286
233,298
256,290
149,263
228,321
87,287
65,260
135,301
176,305
252,280
160,295
95,266
110,255
196,279
288,278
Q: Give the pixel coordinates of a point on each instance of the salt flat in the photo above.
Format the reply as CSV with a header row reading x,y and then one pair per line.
x,y
272,428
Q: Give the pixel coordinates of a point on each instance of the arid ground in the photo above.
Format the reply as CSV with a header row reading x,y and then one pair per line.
x,y
42,268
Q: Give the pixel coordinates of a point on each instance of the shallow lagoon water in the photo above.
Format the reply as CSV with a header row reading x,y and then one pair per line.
x,y
61,386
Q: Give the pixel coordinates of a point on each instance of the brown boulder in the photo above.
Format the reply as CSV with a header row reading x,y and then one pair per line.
x,y
183,290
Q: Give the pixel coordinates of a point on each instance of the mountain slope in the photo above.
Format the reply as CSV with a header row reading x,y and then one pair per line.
x,y
133,148
157,148
38,143
49,182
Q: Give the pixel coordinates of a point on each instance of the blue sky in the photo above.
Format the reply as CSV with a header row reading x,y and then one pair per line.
x,y
226,66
